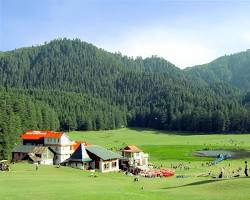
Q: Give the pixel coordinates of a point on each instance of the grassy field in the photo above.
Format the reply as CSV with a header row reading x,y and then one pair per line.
x,y
23,182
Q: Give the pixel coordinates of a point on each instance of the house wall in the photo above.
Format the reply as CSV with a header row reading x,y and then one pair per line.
x,y
48,154
17,156
95,164
63,140
47,158
50,141
137,159
78,165
58,158
109,166
61,148
47,162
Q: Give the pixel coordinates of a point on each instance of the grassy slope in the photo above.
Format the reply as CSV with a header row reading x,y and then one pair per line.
x,y
163,146
153,137
23,182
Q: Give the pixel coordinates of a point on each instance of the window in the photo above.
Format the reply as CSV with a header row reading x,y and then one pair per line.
x,y
114,164
106,165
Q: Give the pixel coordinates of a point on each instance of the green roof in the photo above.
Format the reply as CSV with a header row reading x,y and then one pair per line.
x,y
23,148
30,149
103,153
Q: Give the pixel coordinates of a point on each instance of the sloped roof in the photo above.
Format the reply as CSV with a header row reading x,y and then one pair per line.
x,y
34,157
30,149
80,154
102,153
76,144
37,135
132,149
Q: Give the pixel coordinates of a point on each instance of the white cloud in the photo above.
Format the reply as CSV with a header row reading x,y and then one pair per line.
x,y
183,47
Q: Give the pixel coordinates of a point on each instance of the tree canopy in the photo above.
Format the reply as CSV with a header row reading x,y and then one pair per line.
x,y
73,85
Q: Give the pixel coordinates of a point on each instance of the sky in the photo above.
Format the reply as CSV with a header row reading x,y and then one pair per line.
x,y
184,32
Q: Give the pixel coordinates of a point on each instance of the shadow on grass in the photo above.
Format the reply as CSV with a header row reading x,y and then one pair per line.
x,y
203,182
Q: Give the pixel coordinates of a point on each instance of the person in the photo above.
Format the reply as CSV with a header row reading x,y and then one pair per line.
x,y
235,173
36,164
136,179
246,168
221,172
7,168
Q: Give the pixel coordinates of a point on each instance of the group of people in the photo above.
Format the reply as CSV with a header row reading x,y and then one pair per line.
x,y
180,166
235,173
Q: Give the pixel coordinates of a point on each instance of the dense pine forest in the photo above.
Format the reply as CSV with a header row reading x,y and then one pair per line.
x,y
231,69
72,85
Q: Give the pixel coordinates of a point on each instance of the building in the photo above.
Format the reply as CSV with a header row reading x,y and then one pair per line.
x,y
79,159
134,157
58,142
47,147
103,159
39,154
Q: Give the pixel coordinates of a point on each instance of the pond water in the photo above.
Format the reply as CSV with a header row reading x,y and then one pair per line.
x,y
241,153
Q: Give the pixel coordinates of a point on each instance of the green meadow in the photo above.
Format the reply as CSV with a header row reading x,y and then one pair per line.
x,y
164,148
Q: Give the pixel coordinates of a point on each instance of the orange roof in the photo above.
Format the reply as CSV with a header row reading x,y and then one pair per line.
x,y
132,149
76,144
37,135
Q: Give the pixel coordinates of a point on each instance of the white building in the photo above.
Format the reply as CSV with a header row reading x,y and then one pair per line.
x,y
134,157
58,142
61,146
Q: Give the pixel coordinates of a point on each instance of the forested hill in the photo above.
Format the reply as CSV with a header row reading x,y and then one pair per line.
x,y
73,65
232,69
87,88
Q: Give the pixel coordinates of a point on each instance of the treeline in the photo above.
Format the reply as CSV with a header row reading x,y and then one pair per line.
x,y
19,113
197,120
80,112
22,110
91,89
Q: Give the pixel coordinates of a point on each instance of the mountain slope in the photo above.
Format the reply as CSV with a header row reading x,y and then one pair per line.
x,y
232,69
151,92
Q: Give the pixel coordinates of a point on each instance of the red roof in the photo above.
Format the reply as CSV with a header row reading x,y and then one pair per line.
x,y
76,144
132,149
37,135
